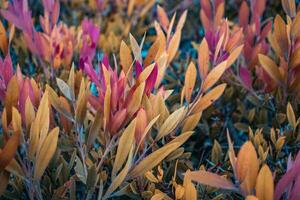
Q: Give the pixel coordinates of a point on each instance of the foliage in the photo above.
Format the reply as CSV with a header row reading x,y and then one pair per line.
x,y
121,102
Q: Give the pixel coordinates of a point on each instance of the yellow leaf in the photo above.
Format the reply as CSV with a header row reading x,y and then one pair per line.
x,y
135,49
291,115
11,97
181,20
125,143
189,81
116,182
29,112
43,119
247,166
10,148
152,160
206,100
81,104
149,126
46,153
203,58
191,122
251,197
214,75
173,45
271,68
170,123
211,179
190,192
136,99
234,55
125,57
264,184
145,73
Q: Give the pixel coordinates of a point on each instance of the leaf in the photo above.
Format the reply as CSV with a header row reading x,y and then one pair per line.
x,y
181,21
234,55
251,197
136,99
125,57
65,89
116,182
214,75
247,166
170,123
211,179
42,120
125,144
191,122
149,126
81,104
152,160
190,192
203,59
46,153
11,97
291,115
3,39
270,67
173,45
189,81
162,17
206,100
10,148
55,102
94,130
264,184
4,179
135,48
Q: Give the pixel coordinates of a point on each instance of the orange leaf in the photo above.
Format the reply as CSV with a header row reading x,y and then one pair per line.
x,y
264,184
270,67
203,58
10,148
247,167
206,100
214,75
189,81
211,179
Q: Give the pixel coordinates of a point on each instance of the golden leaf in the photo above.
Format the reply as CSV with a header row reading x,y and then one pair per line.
x,y
46,153
291,115
247,166
10,148
234,55
190,192
152,160
125,144
189,81
206,100
136,99
170,123
203,58
125,57
173,45
264,184
191,122
214,75
271,68
116,182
